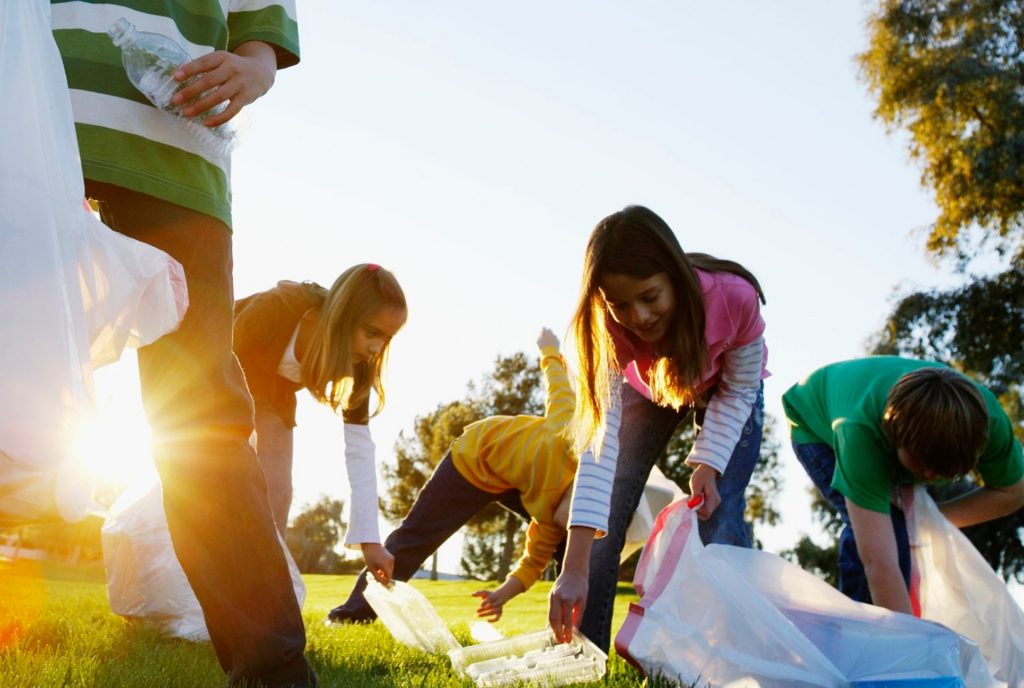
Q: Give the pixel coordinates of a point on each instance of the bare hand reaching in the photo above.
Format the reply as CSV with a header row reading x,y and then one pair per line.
x,y
566,602
379,562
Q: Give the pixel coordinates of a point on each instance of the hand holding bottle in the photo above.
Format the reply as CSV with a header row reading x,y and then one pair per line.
x,y
235,79
220,83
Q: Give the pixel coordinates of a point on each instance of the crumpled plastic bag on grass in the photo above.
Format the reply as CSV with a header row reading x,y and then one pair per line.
x,y
73,293
722,616
144,579
951,583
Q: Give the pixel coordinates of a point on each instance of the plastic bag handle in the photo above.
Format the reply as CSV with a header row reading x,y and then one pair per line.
x,y
659,524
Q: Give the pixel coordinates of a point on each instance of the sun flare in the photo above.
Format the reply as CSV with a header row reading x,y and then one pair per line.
x,y
114,444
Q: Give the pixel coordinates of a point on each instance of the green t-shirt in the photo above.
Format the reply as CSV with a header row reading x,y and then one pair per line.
x,y
122,138
841,405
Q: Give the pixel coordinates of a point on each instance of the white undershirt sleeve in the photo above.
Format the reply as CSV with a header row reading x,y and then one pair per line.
x,y
361,466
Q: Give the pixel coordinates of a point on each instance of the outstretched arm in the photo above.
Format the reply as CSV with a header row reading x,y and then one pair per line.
x,y
727,413
560,402
568,597
363,532
492,602
984,504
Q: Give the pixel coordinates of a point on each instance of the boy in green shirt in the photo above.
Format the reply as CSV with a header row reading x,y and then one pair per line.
x,y
864,426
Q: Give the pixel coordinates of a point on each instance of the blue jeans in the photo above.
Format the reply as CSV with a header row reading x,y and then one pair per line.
x,y
445,503
643,435
819,461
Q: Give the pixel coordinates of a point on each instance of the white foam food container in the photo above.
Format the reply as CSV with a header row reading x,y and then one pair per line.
x,y
535,658
409,617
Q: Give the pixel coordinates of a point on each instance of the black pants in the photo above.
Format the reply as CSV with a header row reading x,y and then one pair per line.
x,y
445,503
201,416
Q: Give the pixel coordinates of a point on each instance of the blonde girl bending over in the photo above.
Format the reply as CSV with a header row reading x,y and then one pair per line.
x,y
334,343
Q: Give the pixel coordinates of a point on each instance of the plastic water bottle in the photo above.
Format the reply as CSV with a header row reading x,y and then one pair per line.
x,y
150,60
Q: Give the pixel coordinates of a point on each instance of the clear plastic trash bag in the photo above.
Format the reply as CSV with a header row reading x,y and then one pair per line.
x,y
728,616
144,579
73,293
951,583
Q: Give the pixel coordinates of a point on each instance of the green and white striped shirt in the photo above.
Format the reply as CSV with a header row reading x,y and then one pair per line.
x,y
122,138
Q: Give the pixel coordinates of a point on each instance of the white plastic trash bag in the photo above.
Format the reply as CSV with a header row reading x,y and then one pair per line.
x,y
73,293
144,579
729,616
658,493
953,584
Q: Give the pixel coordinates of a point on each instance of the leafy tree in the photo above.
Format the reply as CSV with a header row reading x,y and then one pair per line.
x,y
979,327
950,72
483,549
313,535
417,456
515,387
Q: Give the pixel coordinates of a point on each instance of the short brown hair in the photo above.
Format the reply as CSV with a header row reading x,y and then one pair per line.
x,y
938,416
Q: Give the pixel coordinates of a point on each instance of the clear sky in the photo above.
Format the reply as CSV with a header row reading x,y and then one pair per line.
x,y
470,147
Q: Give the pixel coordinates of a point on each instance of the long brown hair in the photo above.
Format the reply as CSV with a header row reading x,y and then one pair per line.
x,y
637,243
329,371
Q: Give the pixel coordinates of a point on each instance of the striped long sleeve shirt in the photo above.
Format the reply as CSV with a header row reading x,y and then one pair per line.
x,y
123,139
729,407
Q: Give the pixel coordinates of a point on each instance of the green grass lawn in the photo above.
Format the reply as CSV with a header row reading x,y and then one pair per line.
x,y
56,629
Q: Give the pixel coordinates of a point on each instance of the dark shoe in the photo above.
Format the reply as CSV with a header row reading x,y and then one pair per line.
x,y
341,615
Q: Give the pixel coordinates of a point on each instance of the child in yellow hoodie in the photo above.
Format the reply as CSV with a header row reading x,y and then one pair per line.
x,y
525,463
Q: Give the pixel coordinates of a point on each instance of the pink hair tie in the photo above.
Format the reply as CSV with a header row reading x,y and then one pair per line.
x,y
372,267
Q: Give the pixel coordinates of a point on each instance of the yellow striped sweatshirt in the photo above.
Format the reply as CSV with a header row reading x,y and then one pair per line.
x,y
528,454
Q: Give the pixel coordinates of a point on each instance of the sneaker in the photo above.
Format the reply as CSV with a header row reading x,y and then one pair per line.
x,y
341,615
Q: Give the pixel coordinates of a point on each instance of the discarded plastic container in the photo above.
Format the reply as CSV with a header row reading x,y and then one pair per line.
x,y
535,658
409,616
531,658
